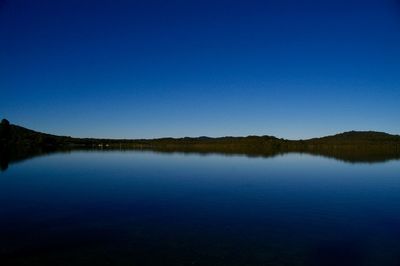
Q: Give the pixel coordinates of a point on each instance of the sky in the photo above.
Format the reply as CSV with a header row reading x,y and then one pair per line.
x,y
147,69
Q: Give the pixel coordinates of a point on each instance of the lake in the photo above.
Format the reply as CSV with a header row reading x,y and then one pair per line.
x,y
149,208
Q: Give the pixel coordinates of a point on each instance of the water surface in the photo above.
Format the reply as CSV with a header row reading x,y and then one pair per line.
x,y
147,208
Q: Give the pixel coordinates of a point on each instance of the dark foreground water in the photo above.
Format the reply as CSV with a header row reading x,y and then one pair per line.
x,y
144,208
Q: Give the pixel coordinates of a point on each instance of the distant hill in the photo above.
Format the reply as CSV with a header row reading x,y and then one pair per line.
x,y
16,135
351,136
13,135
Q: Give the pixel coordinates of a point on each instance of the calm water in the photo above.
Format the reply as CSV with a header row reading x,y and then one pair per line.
x,y
145,208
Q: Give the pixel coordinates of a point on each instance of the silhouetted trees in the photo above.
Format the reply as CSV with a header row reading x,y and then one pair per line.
x,y
4,130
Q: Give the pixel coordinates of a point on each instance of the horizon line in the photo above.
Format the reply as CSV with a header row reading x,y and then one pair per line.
x,y
205,136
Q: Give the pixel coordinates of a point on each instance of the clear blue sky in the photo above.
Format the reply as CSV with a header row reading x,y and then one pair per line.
x,y
294,69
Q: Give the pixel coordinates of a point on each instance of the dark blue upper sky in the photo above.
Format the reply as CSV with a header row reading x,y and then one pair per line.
x,y
294,69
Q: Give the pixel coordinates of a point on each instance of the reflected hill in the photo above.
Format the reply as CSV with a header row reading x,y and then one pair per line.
x,y
18,143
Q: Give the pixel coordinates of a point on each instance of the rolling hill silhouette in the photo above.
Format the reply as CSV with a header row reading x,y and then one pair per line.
x,y
17,143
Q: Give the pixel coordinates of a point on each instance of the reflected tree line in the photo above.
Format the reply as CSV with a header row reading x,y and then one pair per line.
x,y
18,143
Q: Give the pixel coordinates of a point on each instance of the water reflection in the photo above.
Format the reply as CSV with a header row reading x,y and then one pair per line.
x,y
353,155
149,208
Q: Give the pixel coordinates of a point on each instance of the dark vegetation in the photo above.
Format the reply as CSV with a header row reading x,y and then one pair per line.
x,y
18,143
